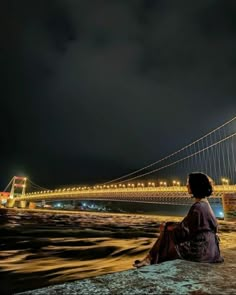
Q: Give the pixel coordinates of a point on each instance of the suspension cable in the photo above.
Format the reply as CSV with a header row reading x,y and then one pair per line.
x,y
178,151
37,186
8,184
180,160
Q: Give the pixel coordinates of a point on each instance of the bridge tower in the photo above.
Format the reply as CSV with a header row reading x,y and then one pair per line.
x,y
18,187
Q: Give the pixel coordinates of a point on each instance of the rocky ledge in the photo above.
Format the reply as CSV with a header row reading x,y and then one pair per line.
x,y
172,277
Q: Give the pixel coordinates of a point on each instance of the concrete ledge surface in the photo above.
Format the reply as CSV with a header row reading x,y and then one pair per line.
x,y
171,277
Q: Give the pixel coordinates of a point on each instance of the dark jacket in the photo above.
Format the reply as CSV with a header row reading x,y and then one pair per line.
x,y
196,237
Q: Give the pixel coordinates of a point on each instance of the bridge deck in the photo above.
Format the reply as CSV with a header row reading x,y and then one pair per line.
x,y
167,195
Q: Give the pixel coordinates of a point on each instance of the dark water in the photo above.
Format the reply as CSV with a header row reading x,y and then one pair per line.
x,y
43,248
39,249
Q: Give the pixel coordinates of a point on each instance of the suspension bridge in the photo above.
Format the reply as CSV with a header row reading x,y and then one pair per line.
x,y
213,153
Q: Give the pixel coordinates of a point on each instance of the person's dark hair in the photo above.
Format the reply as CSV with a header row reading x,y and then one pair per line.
x,y
200,184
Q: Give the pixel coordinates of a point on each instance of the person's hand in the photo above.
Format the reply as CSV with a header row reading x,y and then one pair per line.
x,y
162,227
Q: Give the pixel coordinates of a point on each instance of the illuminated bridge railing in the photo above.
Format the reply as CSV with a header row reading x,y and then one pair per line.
x,y
158,195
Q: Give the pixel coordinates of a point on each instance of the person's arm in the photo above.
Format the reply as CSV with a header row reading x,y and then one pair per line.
x,y
187,228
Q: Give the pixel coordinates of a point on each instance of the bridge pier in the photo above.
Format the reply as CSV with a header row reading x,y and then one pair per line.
x,y
23,204
229,205
10,203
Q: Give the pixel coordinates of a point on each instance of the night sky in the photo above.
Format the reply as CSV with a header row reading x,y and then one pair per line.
x,y
91,90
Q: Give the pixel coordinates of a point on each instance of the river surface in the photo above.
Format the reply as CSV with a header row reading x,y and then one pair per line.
x,y
43,248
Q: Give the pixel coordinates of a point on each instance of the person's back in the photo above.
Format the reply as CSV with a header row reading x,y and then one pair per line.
x,y
195,236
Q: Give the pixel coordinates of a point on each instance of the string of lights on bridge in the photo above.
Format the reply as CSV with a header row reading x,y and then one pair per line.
x,y
162,186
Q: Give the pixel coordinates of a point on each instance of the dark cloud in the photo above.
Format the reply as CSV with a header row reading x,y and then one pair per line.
x,y
104,84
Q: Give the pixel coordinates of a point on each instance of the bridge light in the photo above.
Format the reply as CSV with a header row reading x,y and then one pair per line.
x,y
123,185
129,184
174,182
132,185
115,186
153,184
225,181
142,184
178,183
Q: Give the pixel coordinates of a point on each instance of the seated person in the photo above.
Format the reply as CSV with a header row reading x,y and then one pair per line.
x,y
195,237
